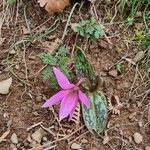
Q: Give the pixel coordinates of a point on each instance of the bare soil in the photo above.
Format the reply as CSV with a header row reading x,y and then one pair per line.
x,y
21,108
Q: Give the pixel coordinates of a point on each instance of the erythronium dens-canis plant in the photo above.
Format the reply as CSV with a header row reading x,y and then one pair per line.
x,y
69,96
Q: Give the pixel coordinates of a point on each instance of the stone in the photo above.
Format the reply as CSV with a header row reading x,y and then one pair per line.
x,y
35,113
38,135
140,123
5,85
137,138
75,146
113,73
13,147
12,51
38,98
14,138
147,148
132,115
9,123
84,141
139,56
45,139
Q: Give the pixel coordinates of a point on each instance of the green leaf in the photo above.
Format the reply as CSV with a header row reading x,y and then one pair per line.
x,y
84,69
76,29
81,32
120,68
90,30
48,59
96,34
95,118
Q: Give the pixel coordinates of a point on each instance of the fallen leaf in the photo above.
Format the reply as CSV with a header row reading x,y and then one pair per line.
x,y
5,85
76,116
52,6
139,25
51,46
105,138
115,108
139,56
130,61
4,135
24,30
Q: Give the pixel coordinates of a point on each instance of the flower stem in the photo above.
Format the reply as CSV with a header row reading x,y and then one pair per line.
x,y
83,80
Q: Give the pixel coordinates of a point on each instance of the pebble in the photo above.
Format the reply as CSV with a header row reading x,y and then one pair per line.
x,y
12,52
13,147
75,146
140,123
9,123
132,115
14,138
35,113
38,135
139,56
38,98
69,131
45,139
147,148
137,138
113,73
84,141
17,67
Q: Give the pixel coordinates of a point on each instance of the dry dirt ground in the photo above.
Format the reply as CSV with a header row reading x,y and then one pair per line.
x,y
21,114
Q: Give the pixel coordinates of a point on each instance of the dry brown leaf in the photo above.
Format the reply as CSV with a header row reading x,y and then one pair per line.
x,y
115,108
76,116
52,6
51,46
4,135
130,61
24,30
105,138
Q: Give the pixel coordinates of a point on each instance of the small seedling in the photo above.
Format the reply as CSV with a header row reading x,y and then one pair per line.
x,y
120,68
60,59
11,2
89,28
130,21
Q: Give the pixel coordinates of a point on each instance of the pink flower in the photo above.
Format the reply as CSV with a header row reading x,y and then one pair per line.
x,y
70,96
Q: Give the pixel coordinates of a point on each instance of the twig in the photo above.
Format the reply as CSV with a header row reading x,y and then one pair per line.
x,y
135,78
53,111
41,25
35,125
114,15
67,24
79,137
107,142
66,137
48,129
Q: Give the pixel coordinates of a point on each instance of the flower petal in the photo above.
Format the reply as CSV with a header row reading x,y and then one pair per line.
x,y
67,104
84,99
62,79
55,98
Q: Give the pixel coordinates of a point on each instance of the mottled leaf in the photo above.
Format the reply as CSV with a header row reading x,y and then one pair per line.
x,y
95,118
84,69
